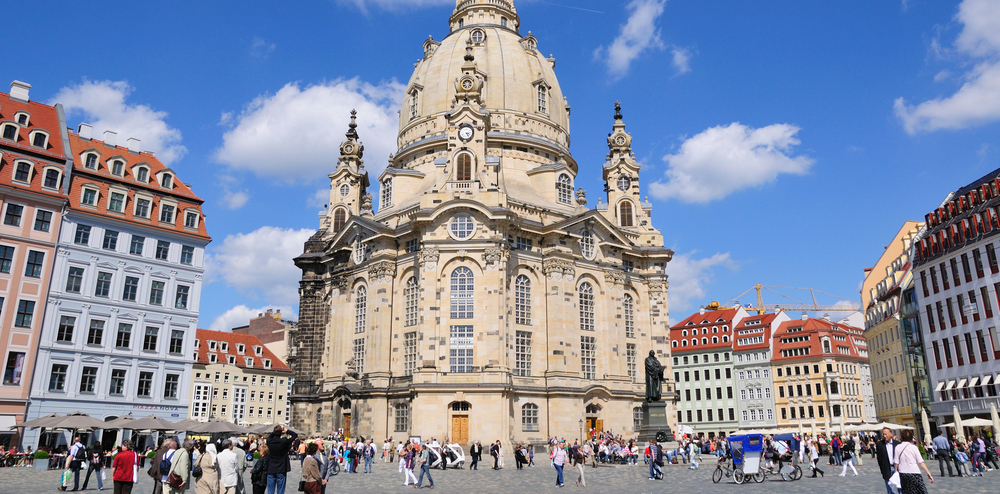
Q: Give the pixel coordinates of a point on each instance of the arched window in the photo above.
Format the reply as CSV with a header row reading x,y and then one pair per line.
x,y
410,293
91,161
694,341
826,346
167,182
543,93
725,339
564,189
629,307
587,244
360,250
715,339
462,288
529,417
586,307
402,417
386,199
684,343
339,218
463,170
414,104
360,309
625,214
704,341
673,343
522,300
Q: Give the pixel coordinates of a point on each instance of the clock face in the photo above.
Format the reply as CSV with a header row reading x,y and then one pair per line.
x,y
620,140
348,149
465,133
467,84
624,183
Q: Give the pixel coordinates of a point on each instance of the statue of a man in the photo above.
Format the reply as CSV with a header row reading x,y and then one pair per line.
x,y
654,376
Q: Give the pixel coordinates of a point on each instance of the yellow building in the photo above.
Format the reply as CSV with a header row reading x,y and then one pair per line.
x,y
238,379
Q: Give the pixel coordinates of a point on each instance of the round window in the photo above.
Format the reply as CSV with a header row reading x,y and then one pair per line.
x,y
344,190
624,183
462,227
478,36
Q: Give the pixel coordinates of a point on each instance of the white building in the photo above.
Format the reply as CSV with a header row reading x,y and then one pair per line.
x,y
118,335
752,351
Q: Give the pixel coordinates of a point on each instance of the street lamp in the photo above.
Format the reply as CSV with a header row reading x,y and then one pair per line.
x,y
582,439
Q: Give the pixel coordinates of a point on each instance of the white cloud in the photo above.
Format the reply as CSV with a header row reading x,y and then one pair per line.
x,y
638,35
394,5
261,48
688,277
241,315
102,104
319,198
259,264
723,160
977,102
682,59
296,133
235,200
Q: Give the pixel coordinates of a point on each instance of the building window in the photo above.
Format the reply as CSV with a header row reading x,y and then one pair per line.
x,y
10,132
588,347
43,220
103,285
529,417
564,189
462,293
411,293
360,250
57,379
463,170
25,312
461,349
117,382
142,174
142,208
630,357
149,341
51,179
586,307
22,173
166,213
409,353
339,218
88,379
96,334
625,214
587,244
462,227
124,338
145,387
191,220
522,353
39,139
543,93
629,308
359,355
522,300
414,104
187,255
177,342
181,301
82,235
33,269
360,309
402,417
13,216
386,199
167,182
170,386
156,293
110,240
136,245
117,202
6,258
65,331
118,168
162,249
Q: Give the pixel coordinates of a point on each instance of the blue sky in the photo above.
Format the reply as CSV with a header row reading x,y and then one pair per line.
x,y
783,142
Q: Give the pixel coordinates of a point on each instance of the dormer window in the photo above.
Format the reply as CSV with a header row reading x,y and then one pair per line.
x,y
52,176
142,207
248,361
564,189
39,139
213,358
88,196
166,213
167,181
142,174
267,363
211,346
22,172
240,348
414,104
22,118
116,202
543,93
191,219
232,360
10,132
258,350
90,161
478,36
386,199
224,346
118,167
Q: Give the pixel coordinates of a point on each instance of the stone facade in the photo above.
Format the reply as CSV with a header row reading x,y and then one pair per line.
x,y
484,300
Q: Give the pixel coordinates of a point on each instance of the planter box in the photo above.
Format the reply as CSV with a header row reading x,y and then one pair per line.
x,y
41,464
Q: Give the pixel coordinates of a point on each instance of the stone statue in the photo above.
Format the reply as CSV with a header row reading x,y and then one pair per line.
x,y
654,376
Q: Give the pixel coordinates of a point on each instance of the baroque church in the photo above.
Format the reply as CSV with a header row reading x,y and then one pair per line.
x,y
485,299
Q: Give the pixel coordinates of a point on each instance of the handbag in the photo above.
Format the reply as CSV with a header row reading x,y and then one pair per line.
x,y
302,486
175,480
894,482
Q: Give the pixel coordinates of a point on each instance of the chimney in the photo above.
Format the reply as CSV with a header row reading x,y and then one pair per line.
x,y
85,131
260,314
19,90
110,138
279,312
133,145
702,311
269,311
826,317
805,316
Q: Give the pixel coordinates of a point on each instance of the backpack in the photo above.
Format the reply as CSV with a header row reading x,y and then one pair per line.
x,y
165,463
81,454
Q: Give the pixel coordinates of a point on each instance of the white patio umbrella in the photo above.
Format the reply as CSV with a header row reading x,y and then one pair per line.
x,y
959,428
996,420
926,425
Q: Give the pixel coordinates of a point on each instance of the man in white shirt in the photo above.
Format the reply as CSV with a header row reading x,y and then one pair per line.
x,y
229,466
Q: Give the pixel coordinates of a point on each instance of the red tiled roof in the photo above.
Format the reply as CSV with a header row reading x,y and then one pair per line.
x,y
696,322
751,322
205,335
816,329
43,117
103,179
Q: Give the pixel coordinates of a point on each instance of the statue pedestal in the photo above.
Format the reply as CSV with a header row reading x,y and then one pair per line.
x,y
654,421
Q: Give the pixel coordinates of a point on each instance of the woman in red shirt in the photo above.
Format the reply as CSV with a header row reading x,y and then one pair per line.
x,y
124,469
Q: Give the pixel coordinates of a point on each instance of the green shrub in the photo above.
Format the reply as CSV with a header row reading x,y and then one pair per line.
x,y
151,454
41,455
256,455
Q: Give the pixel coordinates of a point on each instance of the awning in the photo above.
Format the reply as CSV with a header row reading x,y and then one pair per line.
x,y
951,384
974,382
939,386
7,423
961,384
986,380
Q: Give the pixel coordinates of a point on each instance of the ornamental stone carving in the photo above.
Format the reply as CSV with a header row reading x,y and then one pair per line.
x,y
558,269
493,257
614,276
338,285
382,272
429,258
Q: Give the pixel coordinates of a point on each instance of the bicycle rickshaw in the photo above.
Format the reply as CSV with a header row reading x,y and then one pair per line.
x,y
745,452
791,471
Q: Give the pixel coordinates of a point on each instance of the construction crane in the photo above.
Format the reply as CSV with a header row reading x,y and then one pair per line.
x,y
761,307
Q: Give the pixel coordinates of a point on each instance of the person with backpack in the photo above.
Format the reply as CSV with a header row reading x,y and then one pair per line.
x,y
125,469
368,450
75,461
95,464
154,467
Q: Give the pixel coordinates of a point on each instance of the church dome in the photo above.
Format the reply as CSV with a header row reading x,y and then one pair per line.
x,y
519,86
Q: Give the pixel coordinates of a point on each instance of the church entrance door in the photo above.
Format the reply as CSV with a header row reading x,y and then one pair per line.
x,y
347,426
460,429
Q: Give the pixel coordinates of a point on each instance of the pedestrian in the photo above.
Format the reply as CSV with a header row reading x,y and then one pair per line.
x,y
837,446
654,452
279,443
258,474
495,453
408,457
124,469
229,467
310,470
208,483
558,458
180,467
847,449
579,461
75,461
242,455
885,454
154,467
976,444
908,463
368,452
477,454
425,467
943,451
95,465
814,457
